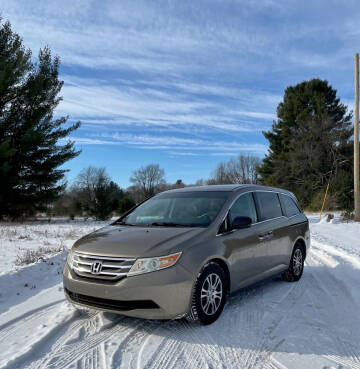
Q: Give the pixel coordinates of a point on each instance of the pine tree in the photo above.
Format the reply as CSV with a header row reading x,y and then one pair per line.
x,y
309,143
31,139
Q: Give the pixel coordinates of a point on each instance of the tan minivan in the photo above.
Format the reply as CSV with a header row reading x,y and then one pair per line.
x,y
183,251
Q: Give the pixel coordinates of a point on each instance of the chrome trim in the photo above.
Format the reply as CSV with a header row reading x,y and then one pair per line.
x,y
296,215
103,257
117,266
101,273
83,263
252,224
105,265
82,266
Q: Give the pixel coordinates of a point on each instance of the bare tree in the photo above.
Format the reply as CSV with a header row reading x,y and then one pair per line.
x,y
148,179
88,180
98,195
242,169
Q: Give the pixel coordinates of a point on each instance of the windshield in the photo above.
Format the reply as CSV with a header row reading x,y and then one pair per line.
x,y
182,209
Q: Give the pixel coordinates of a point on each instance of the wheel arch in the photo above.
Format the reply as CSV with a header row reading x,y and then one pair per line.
x,y
222,263
301,241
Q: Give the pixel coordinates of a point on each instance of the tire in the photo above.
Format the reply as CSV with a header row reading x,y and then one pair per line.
x,y
207,306
296,267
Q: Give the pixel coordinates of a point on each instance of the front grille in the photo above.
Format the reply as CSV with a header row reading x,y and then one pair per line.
x,y
111,304
112,268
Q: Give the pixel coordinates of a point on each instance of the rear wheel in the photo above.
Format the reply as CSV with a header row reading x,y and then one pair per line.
x,y
296,266
209,294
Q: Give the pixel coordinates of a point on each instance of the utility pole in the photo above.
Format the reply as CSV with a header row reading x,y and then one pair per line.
x,y
356,142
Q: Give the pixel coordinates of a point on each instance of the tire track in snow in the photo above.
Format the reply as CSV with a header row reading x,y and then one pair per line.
x,y
332,290
79,326
326,260
39,348
124,353
170,343
144,345
268,321
93,358
324,240
246,321
163,354
191,354
277,317
69,350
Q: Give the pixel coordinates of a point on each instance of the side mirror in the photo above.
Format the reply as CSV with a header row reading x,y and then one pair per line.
x,y
241,222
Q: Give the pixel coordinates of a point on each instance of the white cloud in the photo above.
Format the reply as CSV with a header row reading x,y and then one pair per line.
x,y
176,37
96,102
189,78
174,145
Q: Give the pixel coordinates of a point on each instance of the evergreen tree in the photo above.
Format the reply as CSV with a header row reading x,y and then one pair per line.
x,y
108,196
309,143
125,204
30,136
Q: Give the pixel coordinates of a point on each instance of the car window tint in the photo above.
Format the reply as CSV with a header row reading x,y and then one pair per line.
x,y
244,207
269,205
193,209
289,206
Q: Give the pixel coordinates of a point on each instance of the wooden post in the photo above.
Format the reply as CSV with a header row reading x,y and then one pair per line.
x,y
324,200
356,143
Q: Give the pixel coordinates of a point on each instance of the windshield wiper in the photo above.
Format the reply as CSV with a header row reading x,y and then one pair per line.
x,y
170,224
124,223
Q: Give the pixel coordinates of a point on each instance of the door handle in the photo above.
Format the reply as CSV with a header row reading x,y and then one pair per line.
x,y
265,236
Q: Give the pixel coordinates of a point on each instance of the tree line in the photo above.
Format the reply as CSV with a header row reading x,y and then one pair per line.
x,y
310,146
95,194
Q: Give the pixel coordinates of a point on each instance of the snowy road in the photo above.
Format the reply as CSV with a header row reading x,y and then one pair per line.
x,y
314,323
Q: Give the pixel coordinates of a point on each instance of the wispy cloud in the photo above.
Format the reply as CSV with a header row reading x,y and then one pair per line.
x,y
97,102
177,37
174,145
186,80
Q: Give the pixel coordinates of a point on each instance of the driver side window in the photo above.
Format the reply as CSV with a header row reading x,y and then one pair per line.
x,y
244,206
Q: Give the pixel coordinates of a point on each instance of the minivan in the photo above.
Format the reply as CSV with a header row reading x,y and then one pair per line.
x,y
183,251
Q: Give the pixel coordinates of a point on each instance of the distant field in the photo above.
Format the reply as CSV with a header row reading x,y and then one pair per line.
x,y
16,238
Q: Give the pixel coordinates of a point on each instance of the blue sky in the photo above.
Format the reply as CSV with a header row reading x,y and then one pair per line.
x,y
185,84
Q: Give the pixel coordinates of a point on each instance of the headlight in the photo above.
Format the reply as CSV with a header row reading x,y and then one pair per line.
x,y
148,265
70,259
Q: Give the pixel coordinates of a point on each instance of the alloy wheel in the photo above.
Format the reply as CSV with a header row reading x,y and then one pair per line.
x,y
211,294
297,262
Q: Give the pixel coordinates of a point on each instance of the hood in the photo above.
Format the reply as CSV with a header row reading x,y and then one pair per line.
x,y
133,241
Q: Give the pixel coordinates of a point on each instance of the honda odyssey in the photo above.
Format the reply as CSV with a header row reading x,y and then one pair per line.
x,y
181,252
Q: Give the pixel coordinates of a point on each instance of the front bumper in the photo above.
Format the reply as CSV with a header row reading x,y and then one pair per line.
x,y
164,294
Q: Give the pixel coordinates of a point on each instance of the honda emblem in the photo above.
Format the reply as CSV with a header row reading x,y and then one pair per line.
x,y
96,267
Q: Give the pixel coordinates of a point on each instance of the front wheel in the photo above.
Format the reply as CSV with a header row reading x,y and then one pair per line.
x,y
296,266
209,294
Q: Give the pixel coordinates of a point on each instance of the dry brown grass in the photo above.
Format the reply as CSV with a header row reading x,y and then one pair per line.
x,y
30,256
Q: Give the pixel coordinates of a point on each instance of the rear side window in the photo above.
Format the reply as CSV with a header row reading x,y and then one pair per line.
x,y
269,205
289,206
243,207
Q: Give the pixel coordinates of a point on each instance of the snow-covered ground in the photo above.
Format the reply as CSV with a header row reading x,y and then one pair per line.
x,y
314,323
17,238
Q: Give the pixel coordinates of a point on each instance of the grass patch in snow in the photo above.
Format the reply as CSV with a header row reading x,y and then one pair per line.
x,y
31,256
